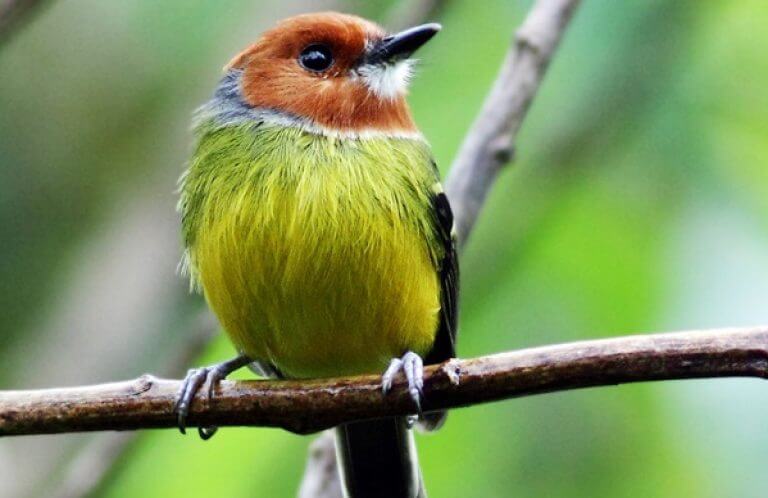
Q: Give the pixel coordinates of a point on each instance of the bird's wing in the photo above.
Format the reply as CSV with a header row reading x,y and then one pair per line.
x,y
444,346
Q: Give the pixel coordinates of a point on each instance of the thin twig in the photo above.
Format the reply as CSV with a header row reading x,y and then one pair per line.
x,y
489,145
310,406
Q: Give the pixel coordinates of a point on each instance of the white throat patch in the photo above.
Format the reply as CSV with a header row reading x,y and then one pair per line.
x,y
387,80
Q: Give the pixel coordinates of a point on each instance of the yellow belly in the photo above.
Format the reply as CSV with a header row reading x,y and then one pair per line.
x,y
318,276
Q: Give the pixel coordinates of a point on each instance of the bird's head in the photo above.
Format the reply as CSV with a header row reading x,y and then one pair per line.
x,y
337,72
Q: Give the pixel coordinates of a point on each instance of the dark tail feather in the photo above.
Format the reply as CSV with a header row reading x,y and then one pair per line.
x,y
377,459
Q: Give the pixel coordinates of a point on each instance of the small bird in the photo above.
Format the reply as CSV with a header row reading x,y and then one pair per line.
x,y
315,225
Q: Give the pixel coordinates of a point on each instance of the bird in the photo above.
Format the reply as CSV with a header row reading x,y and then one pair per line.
x,y
315,225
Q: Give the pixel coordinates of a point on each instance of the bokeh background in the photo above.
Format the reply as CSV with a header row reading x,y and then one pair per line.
x,y
638,202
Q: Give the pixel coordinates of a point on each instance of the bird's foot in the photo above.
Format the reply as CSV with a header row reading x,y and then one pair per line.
x,y
413,367
195,379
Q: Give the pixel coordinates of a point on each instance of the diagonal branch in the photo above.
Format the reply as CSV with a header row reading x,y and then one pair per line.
x,y
489,145
310,406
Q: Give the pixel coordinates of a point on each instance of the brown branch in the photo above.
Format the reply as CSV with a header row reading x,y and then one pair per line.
x,y
310,406
489,145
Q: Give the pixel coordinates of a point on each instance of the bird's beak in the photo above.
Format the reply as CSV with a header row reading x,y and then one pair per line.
x,y
401,45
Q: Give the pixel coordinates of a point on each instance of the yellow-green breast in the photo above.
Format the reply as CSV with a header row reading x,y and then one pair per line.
x,y
319,255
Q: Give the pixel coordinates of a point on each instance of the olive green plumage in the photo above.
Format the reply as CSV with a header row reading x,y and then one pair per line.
x,y
321,256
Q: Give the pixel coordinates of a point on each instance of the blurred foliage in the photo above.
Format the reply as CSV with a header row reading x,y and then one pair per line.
x,y
638,202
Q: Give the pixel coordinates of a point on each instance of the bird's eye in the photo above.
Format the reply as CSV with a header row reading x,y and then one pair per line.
x,y
316,57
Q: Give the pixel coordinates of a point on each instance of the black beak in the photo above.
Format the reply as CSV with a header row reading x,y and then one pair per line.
x,y
401,45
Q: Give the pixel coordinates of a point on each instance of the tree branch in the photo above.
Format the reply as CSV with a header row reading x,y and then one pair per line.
x,y
309,406
489,145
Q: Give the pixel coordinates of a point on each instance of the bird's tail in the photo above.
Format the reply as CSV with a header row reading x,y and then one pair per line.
x,y
377,459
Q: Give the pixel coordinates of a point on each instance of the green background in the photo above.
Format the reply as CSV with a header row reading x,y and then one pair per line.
x,y
638,202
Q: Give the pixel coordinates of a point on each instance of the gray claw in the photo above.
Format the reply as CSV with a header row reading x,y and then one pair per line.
x,y
413,368
389,374
192,382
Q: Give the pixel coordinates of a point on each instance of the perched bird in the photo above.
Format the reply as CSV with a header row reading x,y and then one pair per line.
x,y
316,227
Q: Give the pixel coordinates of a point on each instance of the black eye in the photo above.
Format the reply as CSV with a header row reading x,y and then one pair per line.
x,y
316,57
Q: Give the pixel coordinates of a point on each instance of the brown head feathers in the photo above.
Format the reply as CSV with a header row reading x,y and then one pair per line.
x,y
322,67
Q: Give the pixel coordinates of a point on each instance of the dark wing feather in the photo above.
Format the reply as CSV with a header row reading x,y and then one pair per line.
x,y
444,346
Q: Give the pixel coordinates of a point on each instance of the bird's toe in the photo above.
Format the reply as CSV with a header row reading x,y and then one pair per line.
x,y
395,365
189,387
412,366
